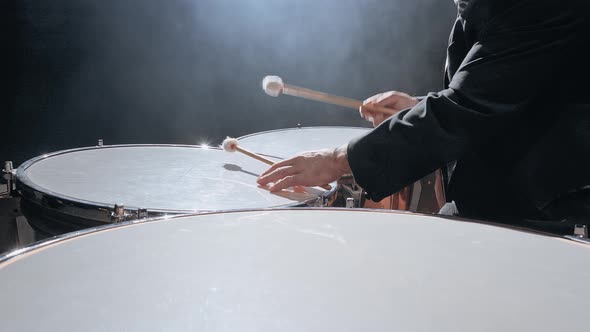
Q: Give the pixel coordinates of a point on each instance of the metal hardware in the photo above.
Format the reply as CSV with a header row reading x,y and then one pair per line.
x,y
142,213
415,196
350,202
580,234
581,231
119,214
100,142
8,166
9,175
8,171
350,190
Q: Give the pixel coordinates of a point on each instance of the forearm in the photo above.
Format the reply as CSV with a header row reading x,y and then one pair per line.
x,y
408,146
340,160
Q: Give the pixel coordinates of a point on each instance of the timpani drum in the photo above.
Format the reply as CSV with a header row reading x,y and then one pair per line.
x,y
75,189
298,270
425,195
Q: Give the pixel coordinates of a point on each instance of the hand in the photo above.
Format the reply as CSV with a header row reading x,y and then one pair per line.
x,y
395,100
307,169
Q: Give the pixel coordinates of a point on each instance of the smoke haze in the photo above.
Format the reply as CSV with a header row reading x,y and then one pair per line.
x,y
189,72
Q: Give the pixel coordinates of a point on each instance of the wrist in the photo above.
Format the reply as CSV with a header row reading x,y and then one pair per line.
x,y
340,160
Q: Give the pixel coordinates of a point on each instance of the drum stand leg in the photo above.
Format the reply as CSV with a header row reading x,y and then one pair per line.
x,y
15,231
352,194
9,212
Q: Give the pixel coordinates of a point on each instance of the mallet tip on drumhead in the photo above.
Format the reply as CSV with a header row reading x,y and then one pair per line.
x,y
272,85
230,144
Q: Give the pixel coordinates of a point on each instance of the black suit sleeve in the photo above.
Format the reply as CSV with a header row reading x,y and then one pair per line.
x,y
514,58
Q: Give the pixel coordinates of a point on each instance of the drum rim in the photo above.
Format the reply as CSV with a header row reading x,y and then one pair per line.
x,y
299,128
36,194
15,255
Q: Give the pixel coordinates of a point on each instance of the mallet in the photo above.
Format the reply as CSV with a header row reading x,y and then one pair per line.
x,y
274,86
231,145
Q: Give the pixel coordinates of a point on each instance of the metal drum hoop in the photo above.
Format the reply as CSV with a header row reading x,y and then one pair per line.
x,y
84,213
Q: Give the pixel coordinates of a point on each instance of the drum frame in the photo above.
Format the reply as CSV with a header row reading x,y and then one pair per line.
x,y
70,213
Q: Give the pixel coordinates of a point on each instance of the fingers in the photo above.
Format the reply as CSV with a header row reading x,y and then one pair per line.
x,y
282,163
282,179
368,113
307,169
369,109
374,98
386,99
380,98
392,99
284,183
276,174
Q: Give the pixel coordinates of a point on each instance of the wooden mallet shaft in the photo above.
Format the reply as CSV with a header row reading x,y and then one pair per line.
x,y
274,86
254,155
306,93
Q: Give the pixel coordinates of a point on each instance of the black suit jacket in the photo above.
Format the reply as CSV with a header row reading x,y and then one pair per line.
x,y
514,113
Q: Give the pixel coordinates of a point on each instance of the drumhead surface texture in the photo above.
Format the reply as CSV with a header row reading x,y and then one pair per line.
x,y
169,178
299,270
285,143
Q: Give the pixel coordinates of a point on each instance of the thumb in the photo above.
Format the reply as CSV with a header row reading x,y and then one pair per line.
x,y
366,112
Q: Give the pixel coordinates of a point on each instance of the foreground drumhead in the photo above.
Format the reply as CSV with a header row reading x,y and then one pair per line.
x,y
299,270
83,185
285,143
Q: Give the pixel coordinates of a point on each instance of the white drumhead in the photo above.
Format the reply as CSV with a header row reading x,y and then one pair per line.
x,y
170,178
300,270
286,143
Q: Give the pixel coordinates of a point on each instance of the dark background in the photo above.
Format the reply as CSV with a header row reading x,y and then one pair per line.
x,y
189,72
